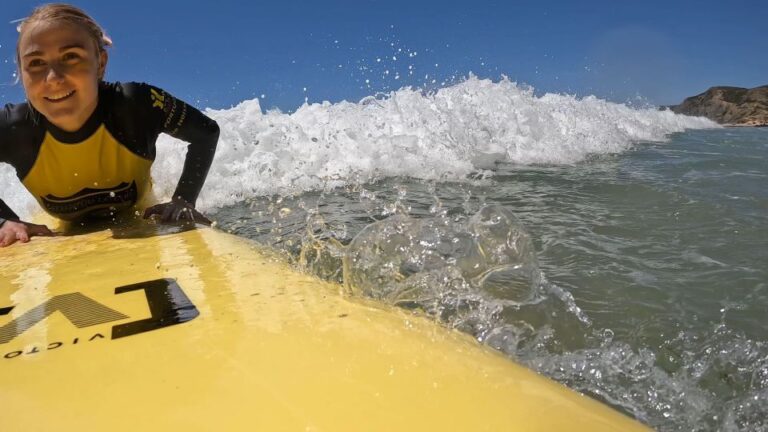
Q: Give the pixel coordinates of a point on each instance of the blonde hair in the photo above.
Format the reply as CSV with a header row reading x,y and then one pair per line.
x,y
62,12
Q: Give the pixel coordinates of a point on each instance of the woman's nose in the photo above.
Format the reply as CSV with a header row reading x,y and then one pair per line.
x,y
54,74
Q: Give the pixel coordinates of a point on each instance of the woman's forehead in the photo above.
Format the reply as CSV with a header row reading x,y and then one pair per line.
x,y
46,35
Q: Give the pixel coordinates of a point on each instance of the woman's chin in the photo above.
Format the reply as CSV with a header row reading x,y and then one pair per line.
x,y
65,118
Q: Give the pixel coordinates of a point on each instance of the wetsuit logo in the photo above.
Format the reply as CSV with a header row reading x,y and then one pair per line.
x,y
87,200
168,305
158,99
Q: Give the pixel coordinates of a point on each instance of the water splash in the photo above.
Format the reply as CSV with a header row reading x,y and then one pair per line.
x,y
448,134
399,258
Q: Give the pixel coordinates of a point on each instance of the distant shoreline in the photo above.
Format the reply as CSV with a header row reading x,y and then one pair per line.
x,y
728,106
744,125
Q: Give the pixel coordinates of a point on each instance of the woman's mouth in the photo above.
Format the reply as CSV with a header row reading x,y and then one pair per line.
x,y
58,97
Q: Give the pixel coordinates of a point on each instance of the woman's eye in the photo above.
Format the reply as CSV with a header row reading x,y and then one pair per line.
x,y
70,56
35,63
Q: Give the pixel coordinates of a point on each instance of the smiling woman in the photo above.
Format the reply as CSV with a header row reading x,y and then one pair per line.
x,y
61,65
84,147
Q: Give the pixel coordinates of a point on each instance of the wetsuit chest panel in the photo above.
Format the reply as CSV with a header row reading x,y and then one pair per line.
x,y
99,173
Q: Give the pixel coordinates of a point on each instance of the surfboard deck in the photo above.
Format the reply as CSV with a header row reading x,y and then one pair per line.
x,y
201,330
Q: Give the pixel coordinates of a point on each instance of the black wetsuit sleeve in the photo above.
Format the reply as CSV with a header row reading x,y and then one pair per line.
x,y
7,144
6,212
202,134
183,121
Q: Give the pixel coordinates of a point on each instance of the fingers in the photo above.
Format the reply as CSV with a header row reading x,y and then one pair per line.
x,y
22,236
7,237
200,218
180,213
160,211
149,211
168,212
13,232
175,212
192,215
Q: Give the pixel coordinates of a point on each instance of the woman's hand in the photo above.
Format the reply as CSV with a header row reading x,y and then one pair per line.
x,y
11,232
174,211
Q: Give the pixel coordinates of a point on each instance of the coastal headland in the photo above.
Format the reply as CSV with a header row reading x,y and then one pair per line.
x,y
730,106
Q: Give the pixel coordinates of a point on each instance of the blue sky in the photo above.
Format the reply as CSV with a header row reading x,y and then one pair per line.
x,y
218,53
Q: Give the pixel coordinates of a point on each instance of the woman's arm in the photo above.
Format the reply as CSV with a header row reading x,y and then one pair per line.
x,y
185,122
202,134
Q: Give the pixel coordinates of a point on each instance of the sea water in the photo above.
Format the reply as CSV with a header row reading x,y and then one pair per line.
x,y
619,250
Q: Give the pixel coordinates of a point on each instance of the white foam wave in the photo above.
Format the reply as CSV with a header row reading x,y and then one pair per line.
x,y
447,134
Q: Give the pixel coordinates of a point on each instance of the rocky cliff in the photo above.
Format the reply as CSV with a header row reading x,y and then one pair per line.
x,y
729,105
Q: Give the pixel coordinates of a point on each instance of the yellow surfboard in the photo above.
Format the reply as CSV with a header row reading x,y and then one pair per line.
x,y
203,331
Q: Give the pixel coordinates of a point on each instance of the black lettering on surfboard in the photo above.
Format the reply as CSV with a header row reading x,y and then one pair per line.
x,y
51,346
12,354
167,303
80,310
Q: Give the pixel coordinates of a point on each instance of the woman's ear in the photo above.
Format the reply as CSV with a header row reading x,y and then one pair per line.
x,y
103,59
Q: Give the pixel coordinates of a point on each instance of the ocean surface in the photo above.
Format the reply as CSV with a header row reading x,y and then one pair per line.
x,y
619,250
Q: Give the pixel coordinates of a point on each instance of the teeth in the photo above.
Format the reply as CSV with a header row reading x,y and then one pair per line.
x,y
60,96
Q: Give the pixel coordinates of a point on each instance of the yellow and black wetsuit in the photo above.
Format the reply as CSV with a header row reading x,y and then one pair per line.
x,y
104,166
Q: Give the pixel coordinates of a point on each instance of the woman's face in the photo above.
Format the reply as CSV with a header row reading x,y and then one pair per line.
x,y
60,70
